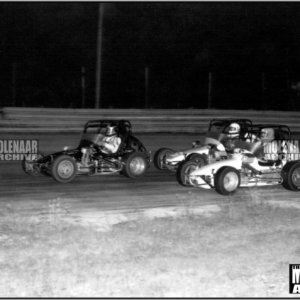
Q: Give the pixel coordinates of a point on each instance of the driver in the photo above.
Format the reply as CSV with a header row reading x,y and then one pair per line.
x,y
110,142
267,139
233,133
234,130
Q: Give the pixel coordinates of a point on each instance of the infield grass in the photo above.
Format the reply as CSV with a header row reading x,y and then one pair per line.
x,y
242,251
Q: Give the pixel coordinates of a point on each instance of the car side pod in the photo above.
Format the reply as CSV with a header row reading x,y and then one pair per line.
x,y
175,157
255,171
198,181
197,177
179,156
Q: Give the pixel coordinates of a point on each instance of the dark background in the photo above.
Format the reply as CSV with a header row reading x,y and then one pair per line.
x,y
252,50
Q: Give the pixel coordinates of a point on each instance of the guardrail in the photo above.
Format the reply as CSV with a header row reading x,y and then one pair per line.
x,y
17,119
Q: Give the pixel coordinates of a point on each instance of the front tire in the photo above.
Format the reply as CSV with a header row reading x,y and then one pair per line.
x,y
34,172
184,168
291,176
64,169
31,173
227,181
135,165
159,157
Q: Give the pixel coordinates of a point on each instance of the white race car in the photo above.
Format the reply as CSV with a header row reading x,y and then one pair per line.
x,y
243,168
216,143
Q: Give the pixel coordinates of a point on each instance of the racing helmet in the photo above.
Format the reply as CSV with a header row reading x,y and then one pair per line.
x,y
111,129
234,129
267,134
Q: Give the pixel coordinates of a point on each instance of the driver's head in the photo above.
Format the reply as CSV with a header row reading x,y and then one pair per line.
x,y
267,134
234,130
111,129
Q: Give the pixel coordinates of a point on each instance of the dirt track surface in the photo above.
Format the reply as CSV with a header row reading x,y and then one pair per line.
x,y
113,192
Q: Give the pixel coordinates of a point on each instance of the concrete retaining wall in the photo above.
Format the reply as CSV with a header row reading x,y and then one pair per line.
x,y
15,119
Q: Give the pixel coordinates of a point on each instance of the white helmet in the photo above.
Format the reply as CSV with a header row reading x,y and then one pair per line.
x,y
234,129
267,134
111,129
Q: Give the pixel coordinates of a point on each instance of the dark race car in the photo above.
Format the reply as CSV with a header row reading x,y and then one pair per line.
x,y
131,157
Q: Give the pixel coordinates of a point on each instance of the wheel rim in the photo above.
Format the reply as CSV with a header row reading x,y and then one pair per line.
x,y
65,169
296,177
231,181
187,171
137,165
190,168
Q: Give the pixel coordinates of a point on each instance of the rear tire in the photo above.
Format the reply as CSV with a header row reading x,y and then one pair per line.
x,y
159,156
227,181
64,168
291,176
135,165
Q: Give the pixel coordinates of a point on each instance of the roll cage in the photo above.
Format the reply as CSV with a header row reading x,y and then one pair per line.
x,y
221,125
129,143
124,126
249,138
282,132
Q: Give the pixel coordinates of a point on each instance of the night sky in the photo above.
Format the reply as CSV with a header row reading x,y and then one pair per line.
x,y
252,50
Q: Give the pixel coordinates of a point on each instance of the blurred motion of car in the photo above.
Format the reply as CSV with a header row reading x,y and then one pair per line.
x,y
213,149
248,166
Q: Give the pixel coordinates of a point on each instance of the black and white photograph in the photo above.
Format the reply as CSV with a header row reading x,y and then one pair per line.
x,y
149,149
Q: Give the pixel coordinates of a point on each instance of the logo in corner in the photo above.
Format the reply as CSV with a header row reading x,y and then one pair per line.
x,y
294,279
18,149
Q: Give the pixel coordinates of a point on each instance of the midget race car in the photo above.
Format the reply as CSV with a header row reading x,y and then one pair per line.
x,y
213,149
246,166
131,158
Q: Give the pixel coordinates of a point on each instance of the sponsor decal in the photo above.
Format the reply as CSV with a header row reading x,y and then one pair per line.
x,y
18,149
283,150
294,279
